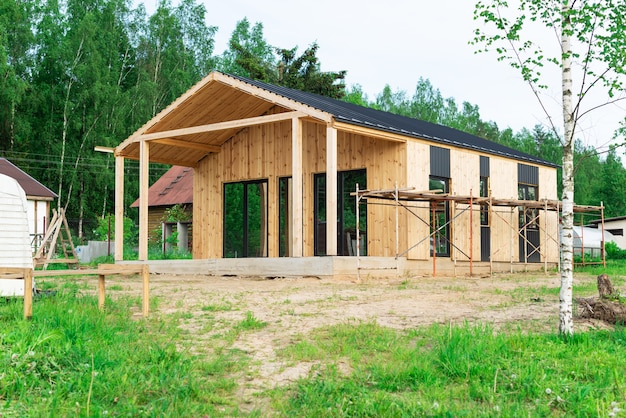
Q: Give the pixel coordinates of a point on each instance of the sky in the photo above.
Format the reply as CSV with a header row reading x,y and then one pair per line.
x,y
396,42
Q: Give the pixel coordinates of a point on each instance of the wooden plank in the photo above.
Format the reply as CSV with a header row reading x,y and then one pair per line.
x,y
143,199
28,293
186,144
369,132
120,269
331,190
101,291
220,126
145,294
56,273
297,174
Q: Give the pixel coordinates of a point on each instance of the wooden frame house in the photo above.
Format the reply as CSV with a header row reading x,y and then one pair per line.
x,y
276,173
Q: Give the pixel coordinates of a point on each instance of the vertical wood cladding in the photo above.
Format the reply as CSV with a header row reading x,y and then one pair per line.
x,y
264,152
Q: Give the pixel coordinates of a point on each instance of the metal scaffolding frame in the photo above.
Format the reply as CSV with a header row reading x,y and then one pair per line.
x,y
402,197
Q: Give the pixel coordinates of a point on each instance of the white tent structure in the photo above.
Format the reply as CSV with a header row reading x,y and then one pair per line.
x,y
15,249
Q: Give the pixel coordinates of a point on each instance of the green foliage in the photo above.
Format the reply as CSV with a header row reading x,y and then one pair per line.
x,y
250,55
613,252
102,231
82,73
73,360
177,213
455,371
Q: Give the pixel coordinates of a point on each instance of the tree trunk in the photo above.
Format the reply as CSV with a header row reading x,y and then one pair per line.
x,y
566,321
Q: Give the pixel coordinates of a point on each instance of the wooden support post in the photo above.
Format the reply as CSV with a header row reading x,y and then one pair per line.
x,y
145,298
490,222
28,293
471,232
511,240
297,175
119,208
358,236
144,160
331,191
434,237
545,229
101,294
602,219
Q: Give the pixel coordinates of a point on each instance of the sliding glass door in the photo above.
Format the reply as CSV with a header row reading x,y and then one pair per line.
x,y
245,219
346,213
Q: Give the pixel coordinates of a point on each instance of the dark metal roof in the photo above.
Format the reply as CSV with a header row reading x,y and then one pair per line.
x,y
175,187
376,119
31,187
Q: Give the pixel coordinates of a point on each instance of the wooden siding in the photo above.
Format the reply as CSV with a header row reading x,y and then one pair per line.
x,y
465,181
264,152
418,169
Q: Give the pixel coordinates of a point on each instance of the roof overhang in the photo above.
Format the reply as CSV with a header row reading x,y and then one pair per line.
x,y
209,114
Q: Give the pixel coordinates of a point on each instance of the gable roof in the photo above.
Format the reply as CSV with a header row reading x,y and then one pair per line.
x,y
174,187
390,122
32,188
221,97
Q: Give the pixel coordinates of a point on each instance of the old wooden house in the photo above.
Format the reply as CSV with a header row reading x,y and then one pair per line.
x,y
172,190
292,182
38,200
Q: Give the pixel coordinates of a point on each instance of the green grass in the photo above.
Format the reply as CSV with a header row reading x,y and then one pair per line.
x,y
455,371
73,360
614,268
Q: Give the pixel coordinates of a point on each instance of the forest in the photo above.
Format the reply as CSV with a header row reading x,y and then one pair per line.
x,y
83,73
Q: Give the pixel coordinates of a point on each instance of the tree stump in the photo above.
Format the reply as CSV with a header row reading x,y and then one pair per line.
x,y
607,307
605,287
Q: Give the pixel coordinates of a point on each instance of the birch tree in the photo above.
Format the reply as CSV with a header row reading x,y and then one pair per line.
x,y
588,43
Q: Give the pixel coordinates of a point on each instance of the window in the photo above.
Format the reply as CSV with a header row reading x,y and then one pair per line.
x,y
528,217
484,207
346,213
245,219
285,234
440,218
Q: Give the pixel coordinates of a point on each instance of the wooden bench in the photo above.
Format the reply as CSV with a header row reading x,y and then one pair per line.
x,y
25,274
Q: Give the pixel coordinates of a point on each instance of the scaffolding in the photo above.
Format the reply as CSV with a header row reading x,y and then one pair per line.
x,y
402,198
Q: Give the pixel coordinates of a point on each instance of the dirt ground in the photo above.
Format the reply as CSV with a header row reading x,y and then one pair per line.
x,y
292,307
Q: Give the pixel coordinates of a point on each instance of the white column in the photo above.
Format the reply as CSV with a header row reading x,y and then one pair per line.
x,y
297,176
119,208
331,191
144,160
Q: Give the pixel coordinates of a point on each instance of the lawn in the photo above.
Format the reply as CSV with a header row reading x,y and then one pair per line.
x,y
73,360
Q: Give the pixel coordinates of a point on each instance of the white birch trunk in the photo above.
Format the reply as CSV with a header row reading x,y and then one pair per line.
x,y
566,321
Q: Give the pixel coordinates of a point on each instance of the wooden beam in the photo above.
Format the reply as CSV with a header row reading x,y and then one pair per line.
x,y
297,175
119,208
272,97
169,161
331,190
191,145
221,126
107,150
372,132
144,159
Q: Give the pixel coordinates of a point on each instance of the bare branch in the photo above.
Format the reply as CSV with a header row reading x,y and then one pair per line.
x,y
532,86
